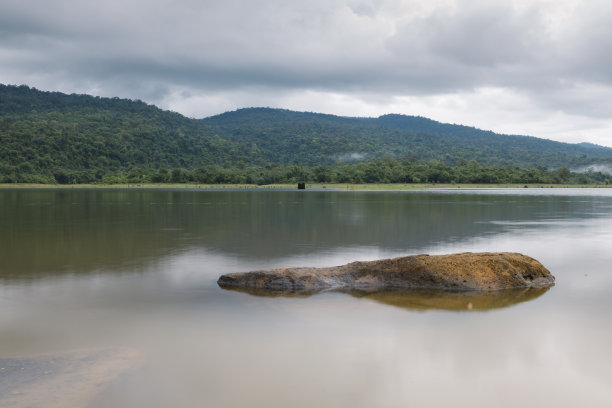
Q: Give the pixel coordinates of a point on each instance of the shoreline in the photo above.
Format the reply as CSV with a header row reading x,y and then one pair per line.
x,y
309,186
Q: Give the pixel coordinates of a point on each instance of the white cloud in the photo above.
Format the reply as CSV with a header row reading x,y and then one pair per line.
x,y
532,67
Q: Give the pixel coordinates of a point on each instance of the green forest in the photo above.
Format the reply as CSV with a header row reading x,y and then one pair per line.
x,y
55,138
383,171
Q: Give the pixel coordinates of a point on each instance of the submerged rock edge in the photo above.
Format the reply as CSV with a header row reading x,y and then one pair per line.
x,y
465,271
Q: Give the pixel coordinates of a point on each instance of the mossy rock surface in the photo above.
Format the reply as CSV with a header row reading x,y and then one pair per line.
x,y
457,272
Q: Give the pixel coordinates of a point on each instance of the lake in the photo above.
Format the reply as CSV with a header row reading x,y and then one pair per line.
x,y
108,298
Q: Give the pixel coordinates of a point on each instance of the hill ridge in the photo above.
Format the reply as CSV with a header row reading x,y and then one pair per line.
x,y
52,136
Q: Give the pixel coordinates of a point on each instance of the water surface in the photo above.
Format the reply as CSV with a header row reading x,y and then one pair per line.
x,y
133,273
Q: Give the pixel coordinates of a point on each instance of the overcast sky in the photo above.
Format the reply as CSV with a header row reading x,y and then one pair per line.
x,y
535,67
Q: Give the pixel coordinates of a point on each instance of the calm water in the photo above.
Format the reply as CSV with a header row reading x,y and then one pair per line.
x,y
121,285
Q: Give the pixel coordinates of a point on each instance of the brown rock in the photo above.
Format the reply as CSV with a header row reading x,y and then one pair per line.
x,y
459,272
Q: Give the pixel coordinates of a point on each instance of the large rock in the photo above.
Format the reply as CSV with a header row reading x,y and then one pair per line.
x,y
459,272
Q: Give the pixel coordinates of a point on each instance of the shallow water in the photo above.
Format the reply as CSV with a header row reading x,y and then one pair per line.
x,y
136,270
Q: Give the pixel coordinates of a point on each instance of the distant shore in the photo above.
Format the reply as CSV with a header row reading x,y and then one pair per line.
x,y
309,186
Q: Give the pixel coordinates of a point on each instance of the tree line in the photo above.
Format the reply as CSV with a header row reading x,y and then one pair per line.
x,y
382,171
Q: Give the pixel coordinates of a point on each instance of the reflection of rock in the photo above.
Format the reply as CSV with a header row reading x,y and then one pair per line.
x,y
429,299
459,272
62,380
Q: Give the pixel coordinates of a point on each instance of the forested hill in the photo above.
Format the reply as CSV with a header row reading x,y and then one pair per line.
x,y
319,138
51,134
54,137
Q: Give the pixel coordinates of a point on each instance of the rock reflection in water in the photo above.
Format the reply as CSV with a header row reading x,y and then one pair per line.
x,y
425,299
428,299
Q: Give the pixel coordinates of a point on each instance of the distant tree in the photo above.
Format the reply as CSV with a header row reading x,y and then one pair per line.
x,y
564,174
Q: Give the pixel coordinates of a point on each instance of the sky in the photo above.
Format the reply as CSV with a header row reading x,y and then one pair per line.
x,y
532,67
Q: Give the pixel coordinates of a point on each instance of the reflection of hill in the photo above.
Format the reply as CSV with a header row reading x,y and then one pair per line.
x,y
427,299
54,231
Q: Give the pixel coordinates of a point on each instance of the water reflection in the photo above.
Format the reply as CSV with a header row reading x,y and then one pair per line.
x,y
427,299
49,232
120,270
67,379
448,300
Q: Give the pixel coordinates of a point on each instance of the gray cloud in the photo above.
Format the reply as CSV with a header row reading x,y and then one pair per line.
x,y
516,60
483,37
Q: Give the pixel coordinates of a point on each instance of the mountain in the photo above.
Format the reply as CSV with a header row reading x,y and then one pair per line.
x,y
55,137
495,142
50,133
312,138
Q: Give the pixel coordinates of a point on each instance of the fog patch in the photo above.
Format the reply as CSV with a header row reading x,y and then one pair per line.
x,y
596,168
350,157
